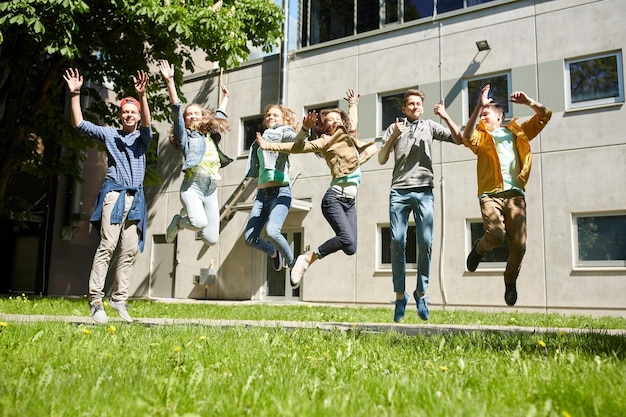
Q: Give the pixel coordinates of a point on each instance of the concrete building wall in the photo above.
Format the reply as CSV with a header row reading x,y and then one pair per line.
x,y
579,160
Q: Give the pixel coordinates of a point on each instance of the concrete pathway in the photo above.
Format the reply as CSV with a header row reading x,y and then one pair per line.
x,y
409,329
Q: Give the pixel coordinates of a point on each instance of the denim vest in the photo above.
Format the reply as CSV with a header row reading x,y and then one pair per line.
x,y
192,143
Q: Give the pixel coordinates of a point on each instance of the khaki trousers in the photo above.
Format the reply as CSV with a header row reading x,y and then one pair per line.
x,y
504,219
125,238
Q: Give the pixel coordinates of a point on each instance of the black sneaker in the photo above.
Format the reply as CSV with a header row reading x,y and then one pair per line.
x,y
473,259
277,262
510,294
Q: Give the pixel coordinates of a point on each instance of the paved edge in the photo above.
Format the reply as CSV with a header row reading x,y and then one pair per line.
x,y
408,329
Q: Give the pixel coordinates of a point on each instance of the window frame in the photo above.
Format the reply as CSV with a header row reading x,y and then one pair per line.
x,y
319,107
468,107
380,124
607,101
584,265
243,151
385,267
484,265
401,17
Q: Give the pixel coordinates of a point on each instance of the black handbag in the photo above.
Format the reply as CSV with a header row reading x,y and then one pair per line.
x,y
224,159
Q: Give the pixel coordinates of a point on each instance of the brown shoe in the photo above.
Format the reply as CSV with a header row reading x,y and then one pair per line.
x,y
510,294
473,259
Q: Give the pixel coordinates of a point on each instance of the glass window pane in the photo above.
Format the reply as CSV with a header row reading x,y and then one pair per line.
x,y
416,9
498,254
318,109
475,2
594,79
367,15
391,108
601,238
330,20
250,127
304,26
499,91
391,11
385,246
449,5
411,245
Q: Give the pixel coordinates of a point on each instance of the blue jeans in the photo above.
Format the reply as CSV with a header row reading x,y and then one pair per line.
x,y
401,202
270,207
340,212
199,198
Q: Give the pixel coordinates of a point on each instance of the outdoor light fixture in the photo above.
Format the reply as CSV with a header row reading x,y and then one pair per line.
x,y
482,45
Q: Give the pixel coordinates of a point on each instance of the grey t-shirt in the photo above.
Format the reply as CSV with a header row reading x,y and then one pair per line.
x,y
413,166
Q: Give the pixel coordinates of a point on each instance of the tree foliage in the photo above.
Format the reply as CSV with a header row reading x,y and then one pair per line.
x,y
108,41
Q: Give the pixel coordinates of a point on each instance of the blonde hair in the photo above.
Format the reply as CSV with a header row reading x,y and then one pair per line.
x,y
207,124
289,117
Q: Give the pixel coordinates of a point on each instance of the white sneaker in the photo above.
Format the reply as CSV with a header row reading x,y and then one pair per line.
x,y
298,270
97,312
172,229
122,310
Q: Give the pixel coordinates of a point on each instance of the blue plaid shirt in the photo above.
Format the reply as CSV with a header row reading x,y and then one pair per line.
x,y
126,152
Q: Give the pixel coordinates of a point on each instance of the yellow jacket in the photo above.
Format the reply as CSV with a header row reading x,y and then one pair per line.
x,y
488,170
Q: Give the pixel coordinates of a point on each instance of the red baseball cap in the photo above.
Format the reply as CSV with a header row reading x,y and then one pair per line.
x,y
131,100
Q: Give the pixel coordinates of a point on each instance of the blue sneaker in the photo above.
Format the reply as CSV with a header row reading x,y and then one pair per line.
x,y
422,308
398,314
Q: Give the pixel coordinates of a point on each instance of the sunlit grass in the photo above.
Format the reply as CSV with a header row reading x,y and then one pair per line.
x,y
56,368
62,369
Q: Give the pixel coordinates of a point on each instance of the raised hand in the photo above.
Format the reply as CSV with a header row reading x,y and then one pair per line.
x,y
73,79
167,70
352,97
141,82
440,109
224,90
309,120
484,99
259,139
520,97
398,127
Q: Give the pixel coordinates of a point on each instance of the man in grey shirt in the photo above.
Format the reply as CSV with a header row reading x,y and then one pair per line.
x,y
411,140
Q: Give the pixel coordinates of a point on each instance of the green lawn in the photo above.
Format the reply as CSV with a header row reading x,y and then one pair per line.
x,y
54,368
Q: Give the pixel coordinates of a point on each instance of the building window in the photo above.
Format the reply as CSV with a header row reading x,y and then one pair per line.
x,y
250,127
495,259
390,108
385,247
317,109
444,6
416,9
594,81
500,91
327,20
367,15
600,240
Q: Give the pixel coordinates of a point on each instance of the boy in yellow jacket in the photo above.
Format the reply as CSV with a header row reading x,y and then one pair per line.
x,y
503,168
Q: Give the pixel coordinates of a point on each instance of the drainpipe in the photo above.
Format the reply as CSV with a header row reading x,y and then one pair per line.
x,y
442,280
282,99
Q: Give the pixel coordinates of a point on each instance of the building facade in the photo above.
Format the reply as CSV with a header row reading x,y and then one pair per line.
x,y
566,54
